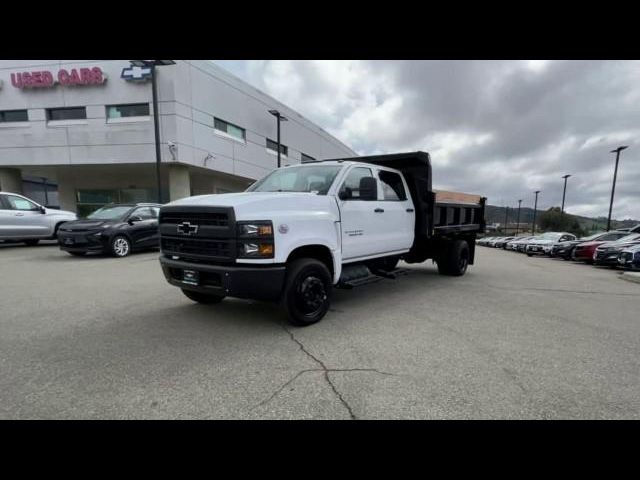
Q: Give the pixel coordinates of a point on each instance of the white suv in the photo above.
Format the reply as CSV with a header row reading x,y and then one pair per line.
x,y
23,220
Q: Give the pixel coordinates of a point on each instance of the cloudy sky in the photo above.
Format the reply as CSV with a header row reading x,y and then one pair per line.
x,y
498,128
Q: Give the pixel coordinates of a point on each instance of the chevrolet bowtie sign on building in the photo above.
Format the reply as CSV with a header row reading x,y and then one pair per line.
x,y
136,74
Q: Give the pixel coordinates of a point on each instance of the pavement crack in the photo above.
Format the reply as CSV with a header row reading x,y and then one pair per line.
x,y
325,370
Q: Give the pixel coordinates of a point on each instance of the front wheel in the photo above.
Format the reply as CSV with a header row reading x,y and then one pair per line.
x,y
120,246
307,291
205,298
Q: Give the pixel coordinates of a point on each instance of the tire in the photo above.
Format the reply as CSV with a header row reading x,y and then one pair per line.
x,y
204,298
307,292
529,254
120,246
31,242
77,254
455,260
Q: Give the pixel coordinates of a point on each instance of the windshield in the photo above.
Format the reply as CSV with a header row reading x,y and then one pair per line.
x,y
550,236
594,236
629,238
108,213
314,179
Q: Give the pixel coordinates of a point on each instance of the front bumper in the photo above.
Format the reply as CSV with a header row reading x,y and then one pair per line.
x,y
627,260
256,282
535,249
81,242
606,258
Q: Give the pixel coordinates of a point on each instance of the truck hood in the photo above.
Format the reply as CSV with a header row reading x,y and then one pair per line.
x,y
253,205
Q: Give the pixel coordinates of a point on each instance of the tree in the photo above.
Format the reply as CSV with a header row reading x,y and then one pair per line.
x,y
555,220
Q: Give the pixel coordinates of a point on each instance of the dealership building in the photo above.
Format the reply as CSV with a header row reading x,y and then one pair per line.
x,y
80,134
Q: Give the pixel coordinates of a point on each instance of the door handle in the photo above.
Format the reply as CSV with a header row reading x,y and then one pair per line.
x,y
410,210
379,210
19,214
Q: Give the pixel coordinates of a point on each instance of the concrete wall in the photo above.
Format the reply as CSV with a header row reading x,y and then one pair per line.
x,y
191,94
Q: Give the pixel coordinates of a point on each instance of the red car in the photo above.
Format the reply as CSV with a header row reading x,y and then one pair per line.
x,y
584,251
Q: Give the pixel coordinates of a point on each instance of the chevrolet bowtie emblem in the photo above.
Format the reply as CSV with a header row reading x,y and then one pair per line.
x,y
185,228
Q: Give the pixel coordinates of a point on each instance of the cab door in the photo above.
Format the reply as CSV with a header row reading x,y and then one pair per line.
x,y
144,229
362,220
399,213
23,219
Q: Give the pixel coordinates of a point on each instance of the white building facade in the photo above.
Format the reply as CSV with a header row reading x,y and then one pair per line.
x,y
80,134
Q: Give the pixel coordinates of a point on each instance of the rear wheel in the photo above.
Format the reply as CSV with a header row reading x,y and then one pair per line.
x,y
205,298
455,260
307,292
32,242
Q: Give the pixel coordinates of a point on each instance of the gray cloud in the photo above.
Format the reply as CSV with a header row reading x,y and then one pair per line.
x,y
498,128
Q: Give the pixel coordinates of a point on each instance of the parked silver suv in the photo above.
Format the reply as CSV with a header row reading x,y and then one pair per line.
x,y
23,220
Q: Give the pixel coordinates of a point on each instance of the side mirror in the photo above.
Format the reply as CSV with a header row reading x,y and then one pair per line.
x,y
345,194
368,188
134,218
42,209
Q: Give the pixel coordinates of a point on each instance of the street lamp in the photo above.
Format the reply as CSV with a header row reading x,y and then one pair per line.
x,y
518,221
613,189
506,215
535,210
279,118
564,191
152,64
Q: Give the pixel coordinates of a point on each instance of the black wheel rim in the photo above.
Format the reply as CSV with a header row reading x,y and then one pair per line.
x,y
310,295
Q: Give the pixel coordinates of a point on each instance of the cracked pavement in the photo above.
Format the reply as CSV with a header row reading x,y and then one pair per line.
x,y
516,337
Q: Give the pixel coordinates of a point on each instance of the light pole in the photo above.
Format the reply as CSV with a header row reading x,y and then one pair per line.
x,y
613,189
518,221
564,191
506,216
152,64
535,211
279,118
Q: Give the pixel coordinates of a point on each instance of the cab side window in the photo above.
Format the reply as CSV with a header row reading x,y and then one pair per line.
x,y
352,182
144,213
18,203
392,186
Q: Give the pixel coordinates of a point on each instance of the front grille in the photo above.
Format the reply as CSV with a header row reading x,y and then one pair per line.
x,y
211,236
198,218
202,247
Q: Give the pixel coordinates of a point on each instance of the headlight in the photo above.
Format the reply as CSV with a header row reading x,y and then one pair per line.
x,y
255,239
255,229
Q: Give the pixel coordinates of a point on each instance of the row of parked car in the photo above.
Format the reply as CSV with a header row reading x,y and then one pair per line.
x,y
115,229
616,248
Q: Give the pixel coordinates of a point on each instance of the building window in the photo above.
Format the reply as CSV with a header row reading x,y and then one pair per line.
x,y
271,145
67,113
7,116
126,111
307,158
229,129
89,200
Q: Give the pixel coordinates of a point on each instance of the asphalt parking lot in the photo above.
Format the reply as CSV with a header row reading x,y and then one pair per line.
x,y
516,337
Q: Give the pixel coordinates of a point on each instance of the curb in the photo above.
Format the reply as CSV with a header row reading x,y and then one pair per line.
x,y
631,277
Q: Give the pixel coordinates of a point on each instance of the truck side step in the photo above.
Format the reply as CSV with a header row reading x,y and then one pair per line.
x,y
359,275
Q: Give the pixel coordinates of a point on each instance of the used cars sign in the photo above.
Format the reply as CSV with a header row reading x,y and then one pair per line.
x,y
46,79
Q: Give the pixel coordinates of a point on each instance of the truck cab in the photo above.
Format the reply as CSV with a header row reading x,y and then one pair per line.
x,y
304,229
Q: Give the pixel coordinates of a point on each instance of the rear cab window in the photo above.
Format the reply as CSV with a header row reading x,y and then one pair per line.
x,y
392,186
